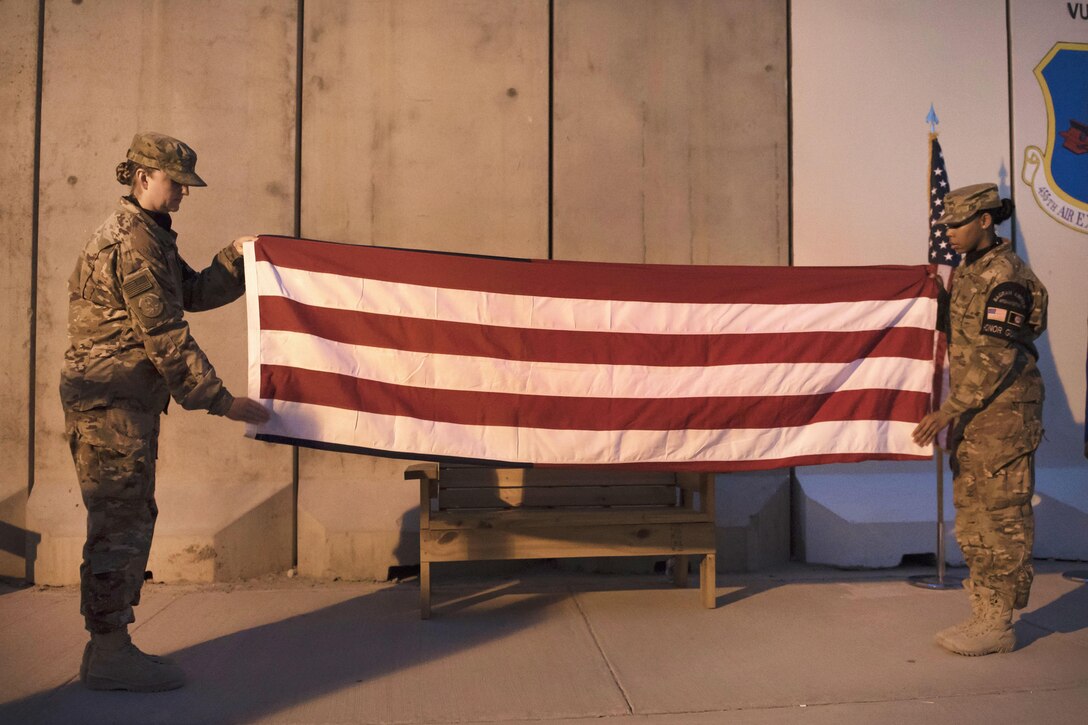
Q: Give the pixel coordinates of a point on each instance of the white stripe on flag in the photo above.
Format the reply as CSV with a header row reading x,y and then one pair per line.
x,y
573,447
253,331
457,372
554,313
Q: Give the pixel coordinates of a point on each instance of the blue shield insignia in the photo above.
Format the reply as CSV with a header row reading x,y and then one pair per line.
x,y
1058,177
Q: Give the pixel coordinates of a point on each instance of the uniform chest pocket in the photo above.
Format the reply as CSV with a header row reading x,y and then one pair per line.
x,y
96,281
966,307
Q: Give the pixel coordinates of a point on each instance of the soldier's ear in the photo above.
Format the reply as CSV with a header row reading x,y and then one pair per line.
x,y
986,220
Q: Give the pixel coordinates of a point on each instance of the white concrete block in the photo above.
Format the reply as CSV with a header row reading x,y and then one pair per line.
x,y
872,514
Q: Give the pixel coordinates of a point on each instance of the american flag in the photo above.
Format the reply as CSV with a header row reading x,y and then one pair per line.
x,y
940,251
447,357
946,258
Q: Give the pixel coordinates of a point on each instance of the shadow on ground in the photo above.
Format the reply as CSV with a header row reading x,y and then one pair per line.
x,y
259,671
264,670
1066,614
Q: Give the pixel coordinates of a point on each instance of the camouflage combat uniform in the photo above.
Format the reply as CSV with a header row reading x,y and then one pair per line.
x,y
130,351
997,310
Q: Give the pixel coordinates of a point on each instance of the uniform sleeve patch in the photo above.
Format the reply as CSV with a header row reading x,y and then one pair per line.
x,y
145,298
151,306
138,283
1007,310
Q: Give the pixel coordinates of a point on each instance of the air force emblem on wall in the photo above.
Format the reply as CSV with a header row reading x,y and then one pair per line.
x,y
1058,177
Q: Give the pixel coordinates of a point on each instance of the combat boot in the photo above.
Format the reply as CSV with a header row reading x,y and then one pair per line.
x,y
991,633
976,612
114,663
89,647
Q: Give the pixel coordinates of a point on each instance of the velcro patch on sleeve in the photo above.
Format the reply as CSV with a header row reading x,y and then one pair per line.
x,y
1007,311
145,298
138,283
151,306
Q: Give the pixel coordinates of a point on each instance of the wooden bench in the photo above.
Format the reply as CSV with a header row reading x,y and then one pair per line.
x,y
479,513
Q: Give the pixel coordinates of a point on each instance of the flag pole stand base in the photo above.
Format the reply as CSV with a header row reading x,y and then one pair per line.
x,y
1077,576
929,581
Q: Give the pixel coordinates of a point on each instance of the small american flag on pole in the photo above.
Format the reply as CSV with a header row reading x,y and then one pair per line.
x,y
941,252
447,357
944,256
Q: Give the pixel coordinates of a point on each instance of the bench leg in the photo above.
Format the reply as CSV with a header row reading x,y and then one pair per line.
x,y
708,581
680,570
425,590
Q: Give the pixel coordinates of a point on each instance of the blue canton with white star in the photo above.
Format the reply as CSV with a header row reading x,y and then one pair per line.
x,y
940,251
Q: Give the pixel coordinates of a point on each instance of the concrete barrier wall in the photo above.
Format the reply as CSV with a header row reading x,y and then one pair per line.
x,y
222,77
431,130
671,147
671,132
424,125
18,97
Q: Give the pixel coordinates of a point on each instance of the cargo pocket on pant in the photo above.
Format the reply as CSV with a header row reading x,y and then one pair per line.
x,y
1009,488
115,451
1003,436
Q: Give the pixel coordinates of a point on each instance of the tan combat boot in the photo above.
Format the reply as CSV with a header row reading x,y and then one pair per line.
x,y
90,648
976,612
991,633
114,663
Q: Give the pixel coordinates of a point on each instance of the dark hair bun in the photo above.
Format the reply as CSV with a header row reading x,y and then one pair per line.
x,y
1004,212
125,172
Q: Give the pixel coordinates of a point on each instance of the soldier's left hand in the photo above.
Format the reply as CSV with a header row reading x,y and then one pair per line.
x,y
930,426
237,243
247,410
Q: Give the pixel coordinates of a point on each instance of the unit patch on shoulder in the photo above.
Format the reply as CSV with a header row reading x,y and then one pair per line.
x,y
1007,310
151,305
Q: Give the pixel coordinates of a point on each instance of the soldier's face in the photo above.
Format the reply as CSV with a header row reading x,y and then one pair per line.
x,y
967,236
160,192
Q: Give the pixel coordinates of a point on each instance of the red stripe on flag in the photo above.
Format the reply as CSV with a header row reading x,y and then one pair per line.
x,y
577,413
611,348
759,464
602,281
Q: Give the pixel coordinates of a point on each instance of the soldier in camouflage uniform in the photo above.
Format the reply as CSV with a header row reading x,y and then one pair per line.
x,y
996,311
130,351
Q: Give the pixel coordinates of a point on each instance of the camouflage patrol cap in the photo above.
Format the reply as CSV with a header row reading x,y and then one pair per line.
x,y
158,151
963,203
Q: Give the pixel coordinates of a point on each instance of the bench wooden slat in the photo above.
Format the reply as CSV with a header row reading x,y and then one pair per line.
x,y
536,518
567,542
457,477
499,497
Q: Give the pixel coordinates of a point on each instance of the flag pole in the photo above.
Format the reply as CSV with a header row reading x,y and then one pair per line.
x,y
927,581
940,515
941,581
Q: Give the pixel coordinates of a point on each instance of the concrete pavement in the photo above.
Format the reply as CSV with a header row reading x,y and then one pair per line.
x,y
801,644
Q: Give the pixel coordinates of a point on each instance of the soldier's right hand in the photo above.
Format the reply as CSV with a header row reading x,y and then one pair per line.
x,y
247,410
237,243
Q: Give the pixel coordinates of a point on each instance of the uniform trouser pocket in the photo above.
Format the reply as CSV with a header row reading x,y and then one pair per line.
x,y
995,526
995,437
114,452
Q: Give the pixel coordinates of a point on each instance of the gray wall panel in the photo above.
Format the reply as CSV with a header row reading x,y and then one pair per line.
x,y
18,94
671,131
424,125
220,76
